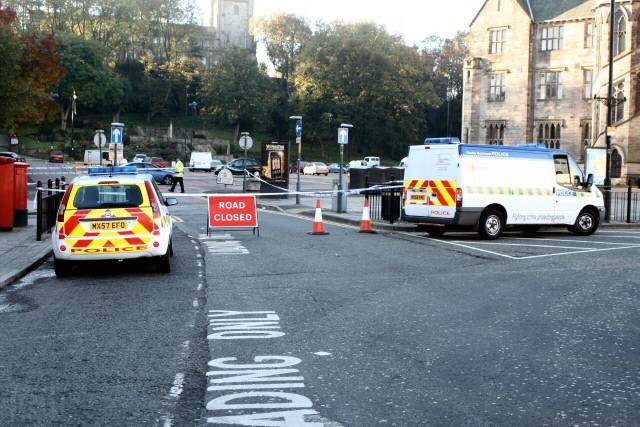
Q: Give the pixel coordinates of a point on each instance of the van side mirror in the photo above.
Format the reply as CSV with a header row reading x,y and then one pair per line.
x,y
171,201
590,180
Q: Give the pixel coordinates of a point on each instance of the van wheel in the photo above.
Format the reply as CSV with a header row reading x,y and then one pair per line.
x,y
167,180
491,224
586,223
62,268
163,263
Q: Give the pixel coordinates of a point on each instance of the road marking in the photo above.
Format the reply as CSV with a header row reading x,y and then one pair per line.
x,y
176,218
579,252
573,240
528,245
623,230
223,244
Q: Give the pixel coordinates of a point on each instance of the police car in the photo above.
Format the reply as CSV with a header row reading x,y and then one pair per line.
x,y
113,213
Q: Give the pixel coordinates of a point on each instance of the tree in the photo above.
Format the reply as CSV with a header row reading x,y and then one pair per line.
x,y
30,68
98,87
362,74
237,91
284,36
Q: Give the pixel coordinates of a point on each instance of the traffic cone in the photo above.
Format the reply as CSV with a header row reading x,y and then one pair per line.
x,y
318,225
365,224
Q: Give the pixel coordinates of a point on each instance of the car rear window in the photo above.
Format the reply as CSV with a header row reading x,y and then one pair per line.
x,y
108,196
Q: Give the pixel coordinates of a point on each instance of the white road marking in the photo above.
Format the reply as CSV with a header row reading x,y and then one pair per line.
x,y
223,244
195,302
579,252
528,245
621,230
177,218
572,240
322,353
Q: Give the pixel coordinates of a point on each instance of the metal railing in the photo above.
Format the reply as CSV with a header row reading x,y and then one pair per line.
x,y
47,204
384,204
625,205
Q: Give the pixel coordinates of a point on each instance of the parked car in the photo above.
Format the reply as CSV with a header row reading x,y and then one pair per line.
x,y
140,158
316,168
13,156
238,166
56,157
160,175
159,162
216,165
335,168
294,165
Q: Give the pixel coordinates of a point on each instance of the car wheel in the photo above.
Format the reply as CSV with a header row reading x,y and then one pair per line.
x,y
62,268
491,224
586,223
167,180
163,263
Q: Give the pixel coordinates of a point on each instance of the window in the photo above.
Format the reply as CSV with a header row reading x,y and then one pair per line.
x,y
497,89
550,85
585,136
495,132
549,134
616,164
620,33
588,35
236,10
563,174
497,39
618,111
587,84
552,38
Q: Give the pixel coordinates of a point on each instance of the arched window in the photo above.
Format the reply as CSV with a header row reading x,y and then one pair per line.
x,y
236,9
618,111
620,33
549,133
616,164
495,133
585,137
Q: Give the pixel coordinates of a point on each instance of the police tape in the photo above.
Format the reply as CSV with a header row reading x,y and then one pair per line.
x,y
318,194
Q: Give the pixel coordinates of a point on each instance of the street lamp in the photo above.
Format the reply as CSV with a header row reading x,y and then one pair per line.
x,y
74,97
298,120
340,186
186,100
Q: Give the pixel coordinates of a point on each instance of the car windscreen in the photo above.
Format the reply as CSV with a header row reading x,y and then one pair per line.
x,y
108,196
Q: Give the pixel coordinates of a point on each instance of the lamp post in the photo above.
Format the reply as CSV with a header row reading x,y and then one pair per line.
x,y
74,97
611,103
186,100
298,120
340,186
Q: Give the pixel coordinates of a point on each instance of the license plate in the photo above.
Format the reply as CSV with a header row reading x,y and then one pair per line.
x,y
109,225
422,197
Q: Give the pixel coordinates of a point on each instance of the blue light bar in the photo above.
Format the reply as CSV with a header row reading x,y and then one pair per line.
x,y
450,140
114,170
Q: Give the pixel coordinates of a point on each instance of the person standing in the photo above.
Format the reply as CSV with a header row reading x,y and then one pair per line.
x,y
179,178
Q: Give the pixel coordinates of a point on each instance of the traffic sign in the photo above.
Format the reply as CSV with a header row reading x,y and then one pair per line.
x,y
14,140
225,176
246,142
233,212
116,133
343,136
99,139
298,129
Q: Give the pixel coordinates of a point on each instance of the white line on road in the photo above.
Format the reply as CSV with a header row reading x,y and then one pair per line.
x,y
600,242
528,245
579,252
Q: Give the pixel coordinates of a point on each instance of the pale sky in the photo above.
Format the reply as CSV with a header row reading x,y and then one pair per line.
x,y
414,19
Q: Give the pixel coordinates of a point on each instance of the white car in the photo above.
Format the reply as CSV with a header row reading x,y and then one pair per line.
x,y
316,168
112,214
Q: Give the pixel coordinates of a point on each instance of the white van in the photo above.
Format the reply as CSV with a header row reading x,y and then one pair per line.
x,y
200,161
371,162
489,188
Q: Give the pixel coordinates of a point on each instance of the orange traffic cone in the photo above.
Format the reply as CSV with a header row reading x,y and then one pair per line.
x,y
365,224
318,225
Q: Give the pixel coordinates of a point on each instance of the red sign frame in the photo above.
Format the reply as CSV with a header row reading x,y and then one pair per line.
x,y
232,212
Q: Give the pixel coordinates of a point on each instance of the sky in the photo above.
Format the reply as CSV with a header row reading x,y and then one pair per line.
x,y
414,19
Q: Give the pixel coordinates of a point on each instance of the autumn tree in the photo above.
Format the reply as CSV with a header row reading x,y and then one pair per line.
x,y
30,67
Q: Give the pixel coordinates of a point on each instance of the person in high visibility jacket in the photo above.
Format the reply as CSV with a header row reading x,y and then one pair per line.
x,y
179,177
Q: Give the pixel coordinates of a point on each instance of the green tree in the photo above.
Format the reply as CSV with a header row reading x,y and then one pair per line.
x,y
237,91
362,74
98,87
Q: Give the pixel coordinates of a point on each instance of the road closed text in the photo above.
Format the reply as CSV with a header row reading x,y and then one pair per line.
x,y
233,212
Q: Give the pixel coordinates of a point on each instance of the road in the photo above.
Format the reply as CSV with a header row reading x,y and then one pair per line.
x,y
340,330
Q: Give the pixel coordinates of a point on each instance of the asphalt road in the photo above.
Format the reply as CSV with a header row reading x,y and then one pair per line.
x,y
338,330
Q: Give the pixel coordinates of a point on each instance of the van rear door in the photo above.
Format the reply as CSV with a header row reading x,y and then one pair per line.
x,y
431,181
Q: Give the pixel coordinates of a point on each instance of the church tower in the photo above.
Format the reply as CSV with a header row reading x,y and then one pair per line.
x,y
230,20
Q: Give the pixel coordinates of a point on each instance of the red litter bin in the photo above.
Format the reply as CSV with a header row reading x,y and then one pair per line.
x,y
20,194
6,193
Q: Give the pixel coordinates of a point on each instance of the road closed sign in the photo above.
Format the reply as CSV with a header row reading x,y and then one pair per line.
x,y
233,212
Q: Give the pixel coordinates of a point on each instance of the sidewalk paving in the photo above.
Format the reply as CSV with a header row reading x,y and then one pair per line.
x,y
20,252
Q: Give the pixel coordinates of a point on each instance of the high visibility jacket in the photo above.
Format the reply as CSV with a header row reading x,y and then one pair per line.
x,y
179,169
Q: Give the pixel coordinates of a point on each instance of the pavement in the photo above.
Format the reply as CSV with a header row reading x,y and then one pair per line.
x,y
20,252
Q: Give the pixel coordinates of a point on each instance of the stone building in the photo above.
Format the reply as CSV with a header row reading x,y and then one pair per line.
x,y
533,70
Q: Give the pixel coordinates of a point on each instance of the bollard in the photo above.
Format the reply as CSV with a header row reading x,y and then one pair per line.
x,y
38,211
629,194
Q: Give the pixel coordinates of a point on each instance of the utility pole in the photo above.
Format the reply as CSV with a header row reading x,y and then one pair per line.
x,y
298,120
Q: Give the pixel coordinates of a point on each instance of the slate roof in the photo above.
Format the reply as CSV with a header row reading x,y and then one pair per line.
x,y
548,10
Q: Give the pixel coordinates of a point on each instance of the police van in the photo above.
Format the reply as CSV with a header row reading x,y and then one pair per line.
x,y
113,213
488,188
